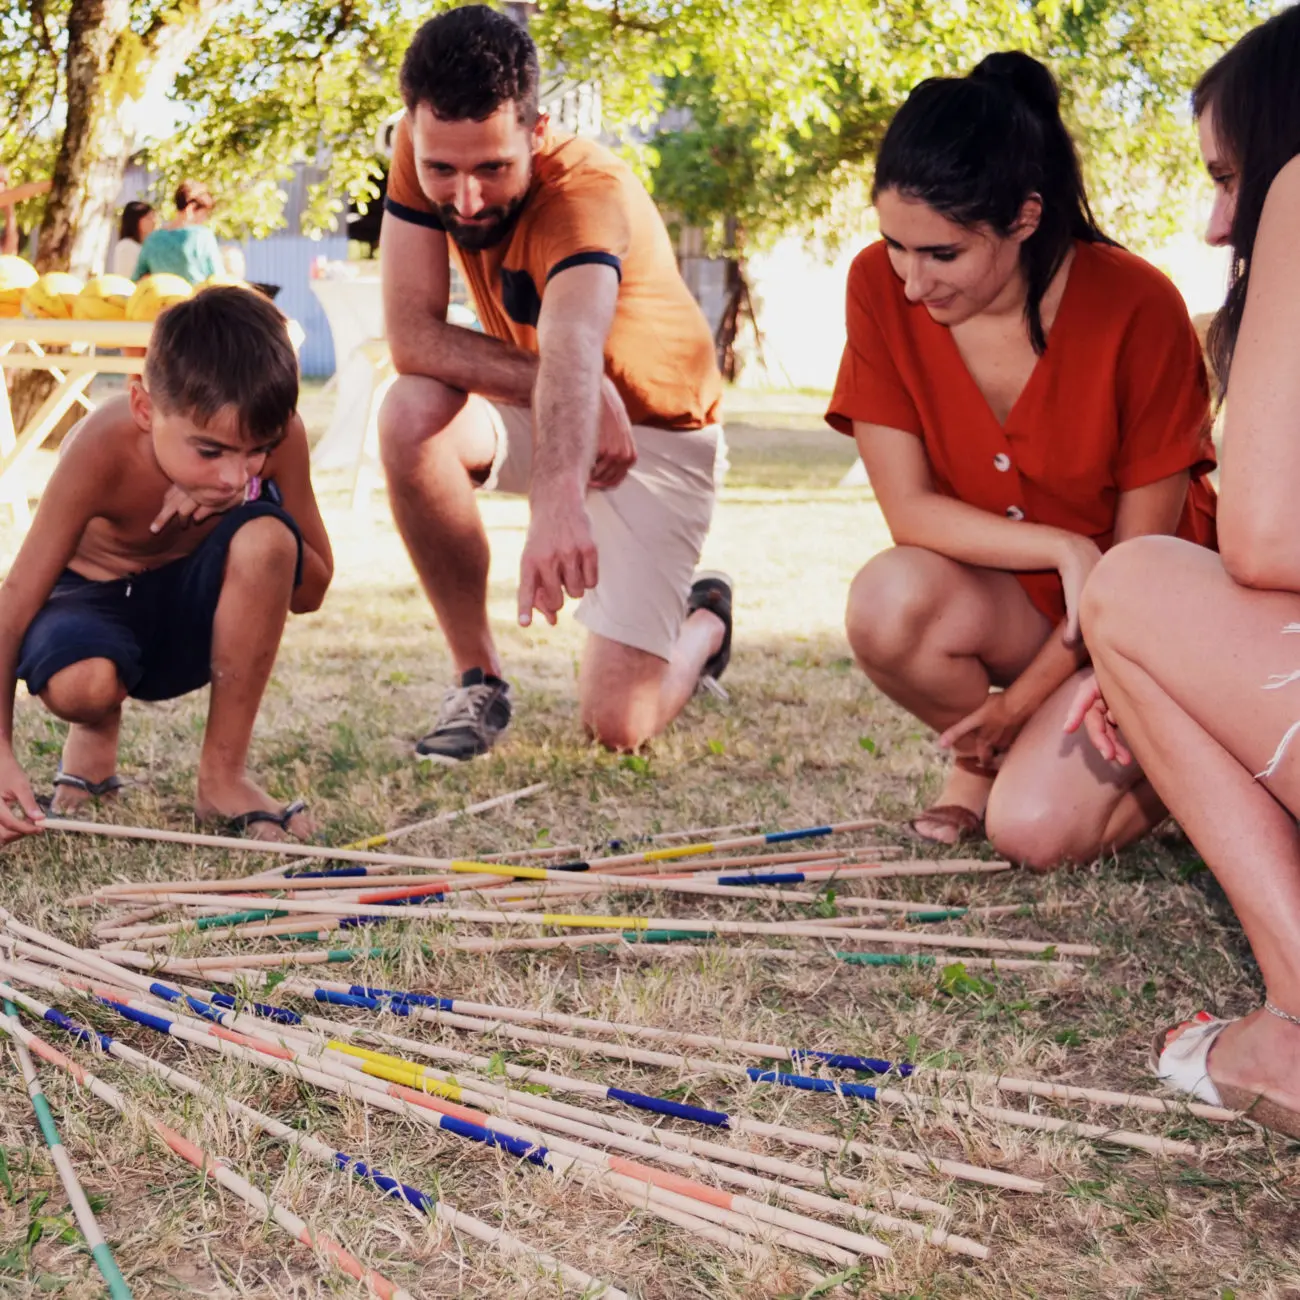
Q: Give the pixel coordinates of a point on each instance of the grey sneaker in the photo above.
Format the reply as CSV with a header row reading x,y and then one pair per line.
x,y
472,716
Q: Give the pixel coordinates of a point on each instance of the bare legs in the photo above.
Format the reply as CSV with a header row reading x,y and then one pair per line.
x,y
1184,656
935,635
89,696
627,696
436,443
246,634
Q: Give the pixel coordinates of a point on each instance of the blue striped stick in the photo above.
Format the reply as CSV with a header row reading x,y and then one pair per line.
x,y
419,1200
222,1008
94,1238
399,1002
950,1168
168,1026
717,846
866,1092
105,1043
396,1002
464,1122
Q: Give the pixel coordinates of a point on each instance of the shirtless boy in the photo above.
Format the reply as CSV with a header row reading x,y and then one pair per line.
x,y
175,536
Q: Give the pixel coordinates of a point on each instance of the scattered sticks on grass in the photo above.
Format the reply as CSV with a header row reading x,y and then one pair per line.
x,y
427,1204
81,1208
221,1173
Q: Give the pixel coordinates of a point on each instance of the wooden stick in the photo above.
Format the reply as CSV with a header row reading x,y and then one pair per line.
x,y
542,1123
330,1069
217,1170
445,818
784,1052
85,1216
483,916
435,1207
560,850
719,1157
63,954
613,944
742,842
414,886
487,874
455,1011
132,916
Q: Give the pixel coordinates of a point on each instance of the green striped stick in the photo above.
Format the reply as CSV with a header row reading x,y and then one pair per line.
x,y
99,1251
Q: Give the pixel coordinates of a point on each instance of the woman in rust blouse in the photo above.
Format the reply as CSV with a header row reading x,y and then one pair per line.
x,y
1024,394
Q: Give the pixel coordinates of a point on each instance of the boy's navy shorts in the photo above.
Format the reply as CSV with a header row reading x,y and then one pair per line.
x,y
156,626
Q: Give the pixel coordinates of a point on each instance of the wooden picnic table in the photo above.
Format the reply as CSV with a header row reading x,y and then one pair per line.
x,y
82,349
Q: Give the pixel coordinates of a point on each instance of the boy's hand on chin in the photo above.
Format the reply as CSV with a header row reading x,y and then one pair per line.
x,y
179,505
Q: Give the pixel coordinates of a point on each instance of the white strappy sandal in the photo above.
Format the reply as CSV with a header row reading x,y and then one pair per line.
x,y
1180,1057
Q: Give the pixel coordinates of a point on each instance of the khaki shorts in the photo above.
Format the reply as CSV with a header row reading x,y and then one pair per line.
x,y
649,530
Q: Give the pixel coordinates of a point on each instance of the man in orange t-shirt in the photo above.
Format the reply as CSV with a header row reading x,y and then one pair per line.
x,y
593,389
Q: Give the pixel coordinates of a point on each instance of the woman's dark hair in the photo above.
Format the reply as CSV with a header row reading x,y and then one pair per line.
x,y
132,215
467,62
974,148
1253,92
193,194
226,346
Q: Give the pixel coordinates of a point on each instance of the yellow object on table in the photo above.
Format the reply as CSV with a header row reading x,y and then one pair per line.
x,y
23,346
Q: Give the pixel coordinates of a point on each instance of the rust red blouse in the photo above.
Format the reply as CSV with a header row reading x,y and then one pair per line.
x,y
1119,400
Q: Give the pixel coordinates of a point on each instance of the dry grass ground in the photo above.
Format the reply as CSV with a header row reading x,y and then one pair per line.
x,y
804,739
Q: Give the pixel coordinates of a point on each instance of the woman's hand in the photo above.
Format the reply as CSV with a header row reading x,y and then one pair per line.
x,y
1090,710
986,734
1078,557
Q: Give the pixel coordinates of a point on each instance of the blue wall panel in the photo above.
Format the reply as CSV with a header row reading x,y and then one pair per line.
x,y
286,260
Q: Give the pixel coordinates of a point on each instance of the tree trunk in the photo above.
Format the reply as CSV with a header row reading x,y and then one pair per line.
x,y
112,72
737,304
94,27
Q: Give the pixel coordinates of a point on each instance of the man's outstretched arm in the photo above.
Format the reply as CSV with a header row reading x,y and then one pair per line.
x,y
416,278
560,554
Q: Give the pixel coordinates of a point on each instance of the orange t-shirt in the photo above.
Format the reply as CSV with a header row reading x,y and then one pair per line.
x,y
585,205
1119,400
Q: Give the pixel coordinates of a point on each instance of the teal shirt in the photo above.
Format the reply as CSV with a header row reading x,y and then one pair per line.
x,y
188,251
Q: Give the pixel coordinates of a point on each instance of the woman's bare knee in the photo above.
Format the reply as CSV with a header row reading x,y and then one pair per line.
x,y
891,603
1035,835
85,692
1120,589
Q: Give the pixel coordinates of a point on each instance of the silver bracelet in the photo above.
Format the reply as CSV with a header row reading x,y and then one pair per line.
x,y
1280,1014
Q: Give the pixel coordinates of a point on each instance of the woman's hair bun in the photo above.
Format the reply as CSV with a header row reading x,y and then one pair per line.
x,y
1024,76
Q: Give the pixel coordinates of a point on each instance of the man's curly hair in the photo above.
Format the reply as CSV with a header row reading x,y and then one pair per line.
x,y
467,62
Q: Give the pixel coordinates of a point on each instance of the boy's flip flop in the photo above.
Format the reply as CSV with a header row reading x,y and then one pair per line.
x,y
95,789
239,825
1180,1057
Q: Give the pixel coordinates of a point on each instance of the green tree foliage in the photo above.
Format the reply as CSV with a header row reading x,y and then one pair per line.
x,y
771,109
257,85
289,82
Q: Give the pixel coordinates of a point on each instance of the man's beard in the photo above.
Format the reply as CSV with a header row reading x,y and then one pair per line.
x,y
490,227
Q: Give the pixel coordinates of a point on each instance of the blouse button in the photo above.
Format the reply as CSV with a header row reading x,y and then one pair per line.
x,y
1002,462
1015,512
